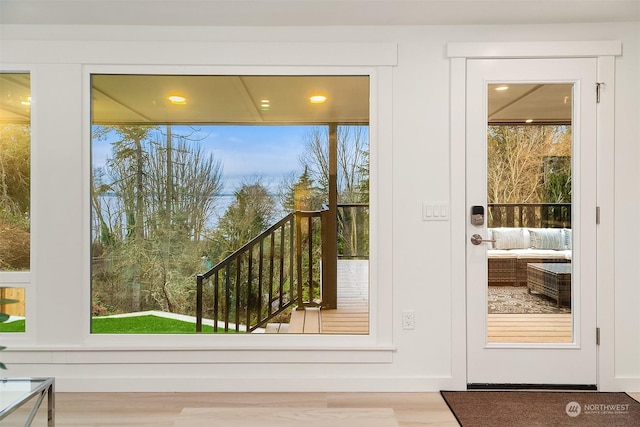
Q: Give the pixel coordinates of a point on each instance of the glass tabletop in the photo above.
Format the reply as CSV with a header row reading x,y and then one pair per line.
x,y
14,392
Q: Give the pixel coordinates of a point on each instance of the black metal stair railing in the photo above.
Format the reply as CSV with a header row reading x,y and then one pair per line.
x,y
267,276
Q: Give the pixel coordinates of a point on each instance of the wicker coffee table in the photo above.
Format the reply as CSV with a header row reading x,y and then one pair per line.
x,y
552,280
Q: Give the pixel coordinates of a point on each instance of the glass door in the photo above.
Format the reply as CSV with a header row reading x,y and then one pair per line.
x,y
531,230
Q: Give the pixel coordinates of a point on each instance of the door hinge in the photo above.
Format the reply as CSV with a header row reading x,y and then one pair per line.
x,y
597,215
597,336
598,88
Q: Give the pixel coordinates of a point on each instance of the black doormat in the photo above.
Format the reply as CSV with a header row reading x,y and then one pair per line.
x,y
518,300
542,408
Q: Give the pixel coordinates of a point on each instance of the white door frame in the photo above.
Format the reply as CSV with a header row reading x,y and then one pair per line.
x,y
605,53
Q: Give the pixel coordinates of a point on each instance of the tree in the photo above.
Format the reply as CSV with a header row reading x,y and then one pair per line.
x,y
184,184
252,211
515,168
15,196
15,141
300,194
151,204
352,160
352,179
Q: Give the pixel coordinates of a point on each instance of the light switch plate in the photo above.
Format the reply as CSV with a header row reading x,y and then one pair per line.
x,y
435,211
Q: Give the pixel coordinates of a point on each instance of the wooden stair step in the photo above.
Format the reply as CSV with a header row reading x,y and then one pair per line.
x,y
305,321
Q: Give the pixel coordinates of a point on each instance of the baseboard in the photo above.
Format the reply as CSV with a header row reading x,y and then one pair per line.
x,y
232,385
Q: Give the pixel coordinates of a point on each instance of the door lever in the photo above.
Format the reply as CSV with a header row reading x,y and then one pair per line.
x,y
476,239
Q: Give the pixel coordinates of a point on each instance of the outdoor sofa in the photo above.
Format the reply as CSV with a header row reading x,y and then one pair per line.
x,y
514,248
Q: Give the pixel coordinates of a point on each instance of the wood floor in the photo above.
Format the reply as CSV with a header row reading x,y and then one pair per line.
x,y
243,410
199,410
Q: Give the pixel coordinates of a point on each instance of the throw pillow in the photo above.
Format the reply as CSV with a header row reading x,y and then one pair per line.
x,y
547,238
508,238
568,238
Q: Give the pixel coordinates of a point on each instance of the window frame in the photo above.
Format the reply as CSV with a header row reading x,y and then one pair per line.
x,y
23,279
379,336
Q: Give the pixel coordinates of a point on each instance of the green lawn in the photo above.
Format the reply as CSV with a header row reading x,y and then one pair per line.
x,y
146,324
16,326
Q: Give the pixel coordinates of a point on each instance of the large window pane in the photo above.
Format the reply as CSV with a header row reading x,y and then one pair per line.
x,y
239,179
12,309
15,195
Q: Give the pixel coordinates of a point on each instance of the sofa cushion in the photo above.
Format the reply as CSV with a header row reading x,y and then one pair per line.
x,y
508,238
547,238
540,254
501,253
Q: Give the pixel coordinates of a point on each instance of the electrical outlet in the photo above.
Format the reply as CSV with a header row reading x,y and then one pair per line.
x,y
408,319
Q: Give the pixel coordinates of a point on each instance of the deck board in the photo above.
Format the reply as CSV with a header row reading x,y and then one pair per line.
x,y
530,328
352,313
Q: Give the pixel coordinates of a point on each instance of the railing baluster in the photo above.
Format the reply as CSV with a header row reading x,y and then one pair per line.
x,y
249,291
299,263
281,283
271,272
199,303
216,302
510,216
238,296
260,273
227,285
292,289
497,215
310,254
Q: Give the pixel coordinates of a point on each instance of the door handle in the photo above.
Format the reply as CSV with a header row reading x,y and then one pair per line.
x,y
476,239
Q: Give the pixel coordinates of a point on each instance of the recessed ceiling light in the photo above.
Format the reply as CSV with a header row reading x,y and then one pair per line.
x,y
265,101
317,99
176,99
502,88
529,121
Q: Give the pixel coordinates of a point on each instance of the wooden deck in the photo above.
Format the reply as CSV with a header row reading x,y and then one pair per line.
x,y
529,328
351,316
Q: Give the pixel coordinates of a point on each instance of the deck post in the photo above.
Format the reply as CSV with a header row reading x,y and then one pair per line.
x,y
330,227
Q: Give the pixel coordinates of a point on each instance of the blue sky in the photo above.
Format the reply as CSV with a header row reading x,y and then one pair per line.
x,y
270,152
267,151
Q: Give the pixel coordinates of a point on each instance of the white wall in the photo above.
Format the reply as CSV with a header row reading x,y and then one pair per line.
x,y
415,267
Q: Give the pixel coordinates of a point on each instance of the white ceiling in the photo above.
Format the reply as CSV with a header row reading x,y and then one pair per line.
x,y
541,103
229,99
314,12
128,99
